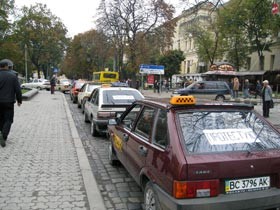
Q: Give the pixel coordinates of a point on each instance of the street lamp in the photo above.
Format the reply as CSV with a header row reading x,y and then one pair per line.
x,y
25,58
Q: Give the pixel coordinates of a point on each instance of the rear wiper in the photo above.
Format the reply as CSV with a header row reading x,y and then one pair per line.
x,y
250,147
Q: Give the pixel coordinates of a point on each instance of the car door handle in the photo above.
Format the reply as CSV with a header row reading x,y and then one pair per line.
x,y
125,137
142,150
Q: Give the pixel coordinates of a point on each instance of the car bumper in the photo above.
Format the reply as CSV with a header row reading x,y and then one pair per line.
x,y
258,200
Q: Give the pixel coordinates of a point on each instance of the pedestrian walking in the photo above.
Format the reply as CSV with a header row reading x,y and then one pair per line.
x,y
258,89
246,89
235,87
10,92
53,83
266,98
156,86
230,84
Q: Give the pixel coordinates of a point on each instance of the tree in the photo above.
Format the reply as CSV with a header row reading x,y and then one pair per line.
x,y
6,7
171,61
87,52
132,21
249,22
44,35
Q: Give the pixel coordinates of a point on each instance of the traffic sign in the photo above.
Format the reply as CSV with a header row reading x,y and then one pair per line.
x,y
151,69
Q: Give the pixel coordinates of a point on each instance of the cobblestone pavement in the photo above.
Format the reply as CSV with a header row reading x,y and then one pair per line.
x,y
117,187
40,168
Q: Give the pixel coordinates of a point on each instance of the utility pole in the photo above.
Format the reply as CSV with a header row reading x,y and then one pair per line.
x,y
25,58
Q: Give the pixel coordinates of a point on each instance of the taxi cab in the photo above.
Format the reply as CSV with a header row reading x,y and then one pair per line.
x,y
189,154
106,102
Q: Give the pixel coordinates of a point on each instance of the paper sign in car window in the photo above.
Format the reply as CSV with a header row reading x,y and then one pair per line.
x,y
230,136
122,97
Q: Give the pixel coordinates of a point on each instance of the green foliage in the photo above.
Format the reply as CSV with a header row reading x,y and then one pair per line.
x,y
6,7
87,52
171,61
247,25
44,35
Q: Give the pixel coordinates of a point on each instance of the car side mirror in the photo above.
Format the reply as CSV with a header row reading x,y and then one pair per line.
x,y
112,122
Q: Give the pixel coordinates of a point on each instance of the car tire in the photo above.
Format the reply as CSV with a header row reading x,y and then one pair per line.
x,y
93,130
83,106
220,98
113,160
78,104
86,117
151,201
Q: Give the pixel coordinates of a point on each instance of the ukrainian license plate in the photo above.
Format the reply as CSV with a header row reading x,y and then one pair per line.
x,y
248,184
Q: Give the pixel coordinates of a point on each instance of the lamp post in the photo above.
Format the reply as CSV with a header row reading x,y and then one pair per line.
x,y
25,58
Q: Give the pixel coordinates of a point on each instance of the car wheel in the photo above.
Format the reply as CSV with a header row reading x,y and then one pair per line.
x,y
113,160
93,130
78,104
83,106
220,98
150,198
86,117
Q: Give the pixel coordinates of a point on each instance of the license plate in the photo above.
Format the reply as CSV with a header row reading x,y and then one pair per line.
x,y
248,184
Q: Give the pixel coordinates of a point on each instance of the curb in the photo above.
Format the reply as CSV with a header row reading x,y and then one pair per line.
x,y
29,94
93,193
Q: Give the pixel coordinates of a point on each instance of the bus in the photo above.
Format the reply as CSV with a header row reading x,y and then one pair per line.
x,y
105,76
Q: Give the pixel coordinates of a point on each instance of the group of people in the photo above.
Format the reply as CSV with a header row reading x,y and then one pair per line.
x,y
264,91
235,86
164,84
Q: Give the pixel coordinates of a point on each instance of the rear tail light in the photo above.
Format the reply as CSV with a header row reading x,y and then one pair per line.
x,y
196,189
105,114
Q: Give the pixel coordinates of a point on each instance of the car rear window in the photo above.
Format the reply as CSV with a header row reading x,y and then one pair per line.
x,y
119,96
212,131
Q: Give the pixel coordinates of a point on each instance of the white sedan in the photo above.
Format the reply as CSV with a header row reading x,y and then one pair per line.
x,y
37,83
85,92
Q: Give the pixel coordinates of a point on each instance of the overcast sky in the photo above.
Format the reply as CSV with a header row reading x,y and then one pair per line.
x,y
77,15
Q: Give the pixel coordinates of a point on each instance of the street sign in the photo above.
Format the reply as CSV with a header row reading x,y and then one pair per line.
x,y
55,70
151,69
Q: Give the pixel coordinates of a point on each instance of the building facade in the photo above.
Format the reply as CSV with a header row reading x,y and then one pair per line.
x,y
184,40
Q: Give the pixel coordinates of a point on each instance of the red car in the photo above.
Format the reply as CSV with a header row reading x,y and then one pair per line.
x,y
75,88
188,155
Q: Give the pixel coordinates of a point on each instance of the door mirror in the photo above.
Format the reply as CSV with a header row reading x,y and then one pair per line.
x,y
112,122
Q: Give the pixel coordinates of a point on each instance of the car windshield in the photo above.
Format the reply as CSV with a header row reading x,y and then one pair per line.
x,y
124,96
213,131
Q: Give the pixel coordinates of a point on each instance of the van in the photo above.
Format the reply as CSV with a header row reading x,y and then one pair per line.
x,y
213,90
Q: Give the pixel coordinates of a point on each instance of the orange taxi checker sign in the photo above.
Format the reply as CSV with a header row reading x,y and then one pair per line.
x,y
182,100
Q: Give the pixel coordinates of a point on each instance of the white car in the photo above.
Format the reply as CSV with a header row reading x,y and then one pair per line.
x,y
85,92
106,103
40,84
63,85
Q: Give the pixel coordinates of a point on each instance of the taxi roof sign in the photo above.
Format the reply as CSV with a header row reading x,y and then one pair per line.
x,y
182,100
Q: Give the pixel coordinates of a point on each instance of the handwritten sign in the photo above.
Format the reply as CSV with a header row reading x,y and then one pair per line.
x,y
123,97
230,136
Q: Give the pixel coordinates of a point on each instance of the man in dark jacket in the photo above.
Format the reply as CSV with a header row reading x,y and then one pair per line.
x,y
10,92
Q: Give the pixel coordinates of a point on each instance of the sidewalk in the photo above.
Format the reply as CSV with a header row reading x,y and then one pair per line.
x,y
44,165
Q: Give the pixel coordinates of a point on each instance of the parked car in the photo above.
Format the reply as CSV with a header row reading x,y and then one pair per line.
x,y
192,155
75,88
213,90
105,103
63,85
37,83
85,92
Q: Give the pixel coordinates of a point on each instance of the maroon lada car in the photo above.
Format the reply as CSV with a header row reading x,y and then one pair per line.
x,y
198,155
